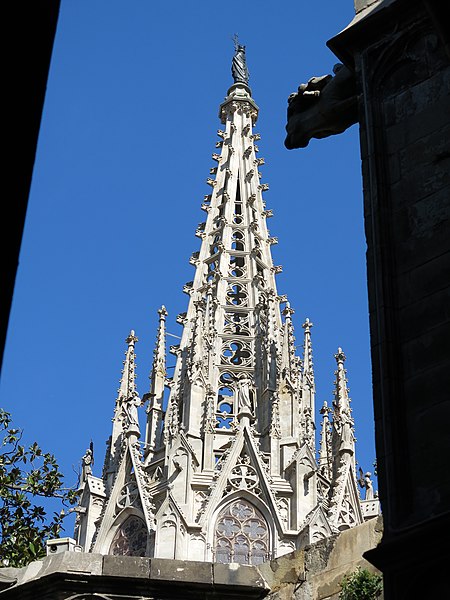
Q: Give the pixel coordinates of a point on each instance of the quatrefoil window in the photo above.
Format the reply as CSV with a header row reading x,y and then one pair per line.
x,y
129,495
236,353
236,294
243,477
225,407
236,323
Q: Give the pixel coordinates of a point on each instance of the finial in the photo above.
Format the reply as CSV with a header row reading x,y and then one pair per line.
x,y
239,69
325,410
288,311
307,325
162,312
340,356
131,339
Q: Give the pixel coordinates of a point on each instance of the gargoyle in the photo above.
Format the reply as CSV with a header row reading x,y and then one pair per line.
x,y
322,107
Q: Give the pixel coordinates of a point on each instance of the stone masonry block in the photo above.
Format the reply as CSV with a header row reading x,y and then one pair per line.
x,y
181,571
234,574
126,566
73,562
424,281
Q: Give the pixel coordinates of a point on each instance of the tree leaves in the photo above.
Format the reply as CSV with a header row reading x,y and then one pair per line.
x,y
25,475
361,585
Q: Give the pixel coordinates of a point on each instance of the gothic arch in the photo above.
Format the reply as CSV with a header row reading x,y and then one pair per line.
x,y
128,525
241,531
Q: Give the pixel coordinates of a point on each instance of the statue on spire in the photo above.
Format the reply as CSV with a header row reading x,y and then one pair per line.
x,y
239,69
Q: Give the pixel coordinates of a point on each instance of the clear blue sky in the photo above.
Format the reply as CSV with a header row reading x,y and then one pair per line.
x,y
125,147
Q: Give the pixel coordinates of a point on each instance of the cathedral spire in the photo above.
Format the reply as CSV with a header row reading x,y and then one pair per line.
x,y
236,443
308,387
157,385
325,454
345,506
342,413
125,412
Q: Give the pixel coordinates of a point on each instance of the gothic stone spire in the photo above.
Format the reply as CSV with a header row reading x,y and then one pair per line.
x,y
229,471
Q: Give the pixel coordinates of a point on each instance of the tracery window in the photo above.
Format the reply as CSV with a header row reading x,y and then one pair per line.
x,y
237,241
237,294
241,535
236,353
237,266
236,323
131,538
225,407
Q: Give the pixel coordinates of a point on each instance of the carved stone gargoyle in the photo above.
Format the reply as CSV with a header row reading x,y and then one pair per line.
x,y
322,107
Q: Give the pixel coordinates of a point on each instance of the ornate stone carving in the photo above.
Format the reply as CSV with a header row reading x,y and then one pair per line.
x,y
131,538
238,390
321,107
241,535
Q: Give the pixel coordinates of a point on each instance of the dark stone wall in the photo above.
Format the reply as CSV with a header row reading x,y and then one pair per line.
x,y
402,68
405,149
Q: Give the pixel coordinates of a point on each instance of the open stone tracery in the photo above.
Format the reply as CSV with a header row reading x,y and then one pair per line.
x,y
235,421
241,535
131,538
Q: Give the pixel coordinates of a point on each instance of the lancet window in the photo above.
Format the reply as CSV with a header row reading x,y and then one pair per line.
x,y
225,407
237,218
237,266
241,535
237,241
211,270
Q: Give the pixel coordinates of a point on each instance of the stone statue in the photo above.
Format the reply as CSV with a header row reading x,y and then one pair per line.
x,y
86,464
346,432
131,406
323,106
243,396
239,69
365,482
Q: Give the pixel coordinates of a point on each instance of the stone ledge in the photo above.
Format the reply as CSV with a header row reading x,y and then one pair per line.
x,y
181,571
126,566
155,576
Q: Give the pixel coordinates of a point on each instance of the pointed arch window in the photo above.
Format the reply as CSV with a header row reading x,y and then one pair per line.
x,y
131,538
237,241
241,535
225,407
237,266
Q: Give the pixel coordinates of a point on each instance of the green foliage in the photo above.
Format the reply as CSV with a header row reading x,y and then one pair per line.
x,y
361,585
25,475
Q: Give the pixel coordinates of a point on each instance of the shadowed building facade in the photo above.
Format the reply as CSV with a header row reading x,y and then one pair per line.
x,y
396,82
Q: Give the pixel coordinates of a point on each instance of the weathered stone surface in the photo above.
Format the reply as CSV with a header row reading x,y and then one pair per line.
x,y
316,572
181,570
126,566
234,574
288,569
73,562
